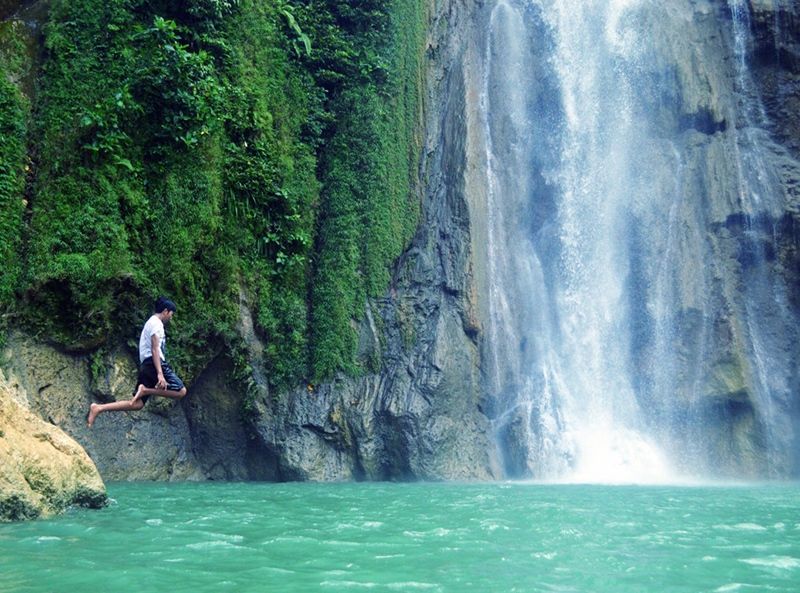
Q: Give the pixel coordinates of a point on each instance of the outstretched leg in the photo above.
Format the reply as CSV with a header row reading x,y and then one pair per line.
x,y
121,406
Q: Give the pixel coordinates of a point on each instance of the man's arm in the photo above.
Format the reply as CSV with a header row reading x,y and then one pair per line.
x,y
156,343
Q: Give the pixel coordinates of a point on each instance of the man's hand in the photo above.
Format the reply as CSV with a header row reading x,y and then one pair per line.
x,y
162,382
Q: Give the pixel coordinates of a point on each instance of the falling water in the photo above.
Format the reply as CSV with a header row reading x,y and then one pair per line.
x,y
766,302
616,323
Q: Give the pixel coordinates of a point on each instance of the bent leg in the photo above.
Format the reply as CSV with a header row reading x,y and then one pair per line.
x,y
142,391
163,392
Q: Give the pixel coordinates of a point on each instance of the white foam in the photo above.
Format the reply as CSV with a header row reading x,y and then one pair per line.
x,y
412,585
438,532
228,537
782,562
489,525
211,545
347,584
616,455
741,527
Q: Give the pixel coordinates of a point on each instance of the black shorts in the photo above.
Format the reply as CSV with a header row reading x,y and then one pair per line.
x,y
148,376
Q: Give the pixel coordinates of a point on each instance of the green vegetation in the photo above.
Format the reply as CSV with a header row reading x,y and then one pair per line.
x,y
214,150
369,210
13,158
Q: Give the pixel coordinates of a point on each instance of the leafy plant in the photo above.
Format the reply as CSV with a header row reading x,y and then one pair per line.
x,y
301,37
201,149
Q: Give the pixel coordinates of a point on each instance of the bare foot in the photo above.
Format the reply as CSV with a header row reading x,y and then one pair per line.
x,y
94,410
139,394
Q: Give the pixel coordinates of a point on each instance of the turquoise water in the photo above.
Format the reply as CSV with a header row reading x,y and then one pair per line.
x,y
413,537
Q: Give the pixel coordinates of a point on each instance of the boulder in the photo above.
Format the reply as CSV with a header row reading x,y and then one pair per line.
x,y
42,470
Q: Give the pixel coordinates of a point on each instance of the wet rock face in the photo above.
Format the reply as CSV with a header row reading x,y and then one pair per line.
x,y
202,436
42,470
763,250
422,415
776,65
732,405
735,409
419,417
714,339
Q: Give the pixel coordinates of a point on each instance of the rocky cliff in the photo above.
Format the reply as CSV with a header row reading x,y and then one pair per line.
x,y
420,416
423,414
202,437
740,387
646,178
42,470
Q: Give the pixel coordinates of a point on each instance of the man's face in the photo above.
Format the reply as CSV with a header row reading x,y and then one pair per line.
x,y
167,315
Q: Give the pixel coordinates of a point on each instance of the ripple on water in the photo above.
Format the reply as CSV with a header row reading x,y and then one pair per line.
x,y
339,585
743,587
493,525
400,540
438,532
397,586
209,545
406,585
741,527
341,543
290,539
781,562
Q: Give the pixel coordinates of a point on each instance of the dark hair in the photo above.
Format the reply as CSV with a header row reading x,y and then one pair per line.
x,y
162,303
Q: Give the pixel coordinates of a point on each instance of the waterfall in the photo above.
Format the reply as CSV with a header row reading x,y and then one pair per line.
x,y
766,308
634,317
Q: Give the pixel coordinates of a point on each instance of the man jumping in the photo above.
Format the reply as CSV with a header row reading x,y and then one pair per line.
x,y
156,377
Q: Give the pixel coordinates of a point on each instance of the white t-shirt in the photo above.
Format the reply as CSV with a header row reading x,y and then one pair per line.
x,y
153,326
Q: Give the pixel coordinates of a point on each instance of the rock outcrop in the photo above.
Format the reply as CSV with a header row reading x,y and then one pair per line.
x,y
201,437
42,470
420,416
744,171
417,418
701,256
425,414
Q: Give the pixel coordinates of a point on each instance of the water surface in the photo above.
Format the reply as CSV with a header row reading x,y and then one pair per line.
x,y
413,537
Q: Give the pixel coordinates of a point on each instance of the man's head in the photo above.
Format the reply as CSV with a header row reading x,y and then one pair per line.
x,y
165,308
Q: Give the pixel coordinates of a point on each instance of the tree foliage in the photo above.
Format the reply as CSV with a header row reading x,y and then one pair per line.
x,y
12,183
214,150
